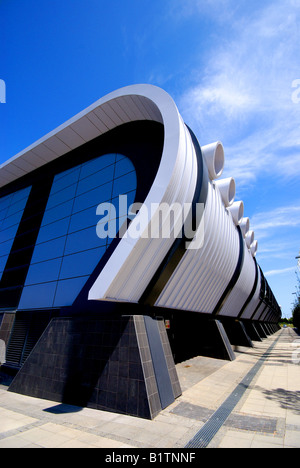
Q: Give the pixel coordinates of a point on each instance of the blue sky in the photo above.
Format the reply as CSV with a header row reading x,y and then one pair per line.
x,y
230,67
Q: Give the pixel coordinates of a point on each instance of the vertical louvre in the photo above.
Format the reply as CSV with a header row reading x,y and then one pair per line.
x,y
27,330
18,337
37,326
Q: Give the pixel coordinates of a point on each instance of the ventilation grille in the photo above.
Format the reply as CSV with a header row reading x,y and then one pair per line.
x,y
28,328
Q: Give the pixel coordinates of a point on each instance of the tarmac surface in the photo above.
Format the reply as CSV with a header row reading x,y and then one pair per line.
x,y
252,402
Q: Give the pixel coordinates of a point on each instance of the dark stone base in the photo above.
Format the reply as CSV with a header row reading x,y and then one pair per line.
x,y
252,331
261,330
237,333
119,364
193,334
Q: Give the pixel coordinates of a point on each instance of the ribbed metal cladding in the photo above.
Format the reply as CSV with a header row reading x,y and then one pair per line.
x,y
102,116
250,309
259,311
202,275
149,252
203,438
136,260
242,289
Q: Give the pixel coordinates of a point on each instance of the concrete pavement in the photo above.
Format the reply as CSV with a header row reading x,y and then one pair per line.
x,y
266,414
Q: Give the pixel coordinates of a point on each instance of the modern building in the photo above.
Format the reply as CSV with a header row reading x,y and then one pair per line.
x,y
122,252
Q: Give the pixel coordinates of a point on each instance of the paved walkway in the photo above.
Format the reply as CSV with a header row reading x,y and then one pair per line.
x,y
262,386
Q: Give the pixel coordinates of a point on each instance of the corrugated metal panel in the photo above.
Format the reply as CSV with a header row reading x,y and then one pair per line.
x,y
259,311
242,289
265,314
202,275
250,309
148,253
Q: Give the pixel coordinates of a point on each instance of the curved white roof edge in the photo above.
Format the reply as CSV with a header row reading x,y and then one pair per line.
x,y
125,276
136,102
175,180
136,258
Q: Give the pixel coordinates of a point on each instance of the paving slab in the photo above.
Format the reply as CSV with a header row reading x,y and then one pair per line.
x,y
265,414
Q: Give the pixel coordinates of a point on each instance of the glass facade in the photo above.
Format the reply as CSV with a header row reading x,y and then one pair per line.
x,y
11,211
68,249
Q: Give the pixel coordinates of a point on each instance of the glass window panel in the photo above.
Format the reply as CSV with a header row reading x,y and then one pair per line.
x,y
68,290
12,220
62,196
124,184
38,296
12,210
68,248
17,206
123,204
5,202
69,178
123,167
58,212
5,247
81,264
119,157
48,250
105,211
13,202
66,173
53,230
108,229
8,234
79,240
94,197
3,261
3,213
21,194
82,219
94,180
95,165
43,272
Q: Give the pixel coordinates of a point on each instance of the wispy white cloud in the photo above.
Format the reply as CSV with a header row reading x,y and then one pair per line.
x,y
280,272
244,94
278,235
220,10
275,250
286,216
